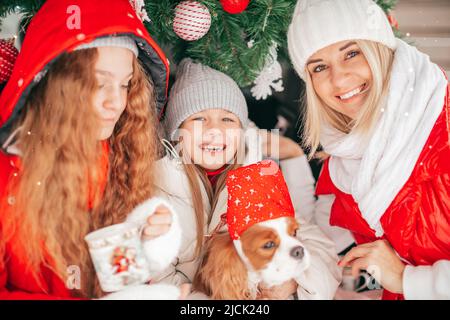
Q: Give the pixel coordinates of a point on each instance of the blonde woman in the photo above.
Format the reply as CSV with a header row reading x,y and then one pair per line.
x,y
208,125
78,138
380,109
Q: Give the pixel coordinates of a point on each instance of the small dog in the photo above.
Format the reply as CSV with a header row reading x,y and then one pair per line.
x,y
270,254
260,246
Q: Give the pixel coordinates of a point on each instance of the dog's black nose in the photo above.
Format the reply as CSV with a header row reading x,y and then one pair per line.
x,y
298,252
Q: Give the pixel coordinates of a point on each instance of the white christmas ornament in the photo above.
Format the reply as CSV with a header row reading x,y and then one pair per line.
x,y
139,7
192,20
270,77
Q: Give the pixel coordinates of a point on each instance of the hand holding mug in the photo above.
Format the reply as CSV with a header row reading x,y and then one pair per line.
x,y
158,223
128,253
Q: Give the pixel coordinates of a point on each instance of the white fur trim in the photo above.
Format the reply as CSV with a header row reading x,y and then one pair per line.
x,y
146,292
161,251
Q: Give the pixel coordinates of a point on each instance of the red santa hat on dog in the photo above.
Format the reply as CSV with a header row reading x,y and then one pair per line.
x,y
256,193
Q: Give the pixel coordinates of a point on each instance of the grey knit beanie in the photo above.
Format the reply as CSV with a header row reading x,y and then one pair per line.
x,y
112,41
198,88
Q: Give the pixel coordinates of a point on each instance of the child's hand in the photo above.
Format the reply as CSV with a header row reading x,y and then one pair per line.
x,y
185,290
158,223
278,146
279,292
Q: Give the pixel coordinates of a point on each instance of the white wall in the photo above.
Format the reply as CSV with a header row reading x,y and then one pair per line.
x,y
428,24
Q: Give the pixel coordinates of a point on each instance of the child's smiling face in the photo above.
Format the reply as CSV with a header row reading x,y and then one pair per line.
x,y
211,138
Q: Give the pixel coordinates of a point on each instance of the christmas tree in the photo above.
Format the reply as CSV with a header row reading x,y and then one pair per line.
x,y
236,37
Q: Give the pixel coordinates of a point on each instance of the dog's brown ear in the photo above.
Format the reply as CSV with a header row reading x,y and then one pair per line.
x,y
222,275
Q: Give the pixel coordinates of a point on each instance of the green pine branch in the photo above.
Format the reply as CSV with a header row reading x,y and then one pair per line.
x,y
225,46
387,5
26,7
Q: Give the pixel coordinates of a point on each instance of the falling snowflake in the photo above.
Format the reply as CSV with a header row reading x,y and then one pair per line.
x,y
270,77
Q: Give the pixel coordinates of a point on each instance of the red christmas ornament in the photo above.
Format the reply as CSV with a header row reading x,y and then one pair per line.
x,y
393,21
234,6
8,55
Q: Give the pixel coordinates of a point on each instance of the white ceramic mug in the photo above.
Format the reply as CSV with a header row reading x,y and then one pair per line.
x,y
118,257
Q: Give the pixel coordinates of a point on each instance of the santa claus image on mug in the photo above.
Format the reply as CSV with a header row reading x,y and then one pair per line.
x,y
118,256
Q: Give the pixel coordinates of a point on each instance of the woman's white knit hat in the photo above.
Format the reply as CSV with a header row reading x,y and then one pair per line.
x,y
112,41
317,24
198,88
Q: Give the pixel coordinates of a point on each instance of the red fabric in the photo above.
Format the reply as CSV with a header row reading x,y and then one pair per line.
x,y
49,35
8,56
213,175
16,282
256,193
93,197
417,223
50,23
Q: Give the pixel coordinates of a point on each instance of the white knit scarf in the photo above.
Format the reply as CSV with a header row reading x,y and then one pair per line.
x,y
373,171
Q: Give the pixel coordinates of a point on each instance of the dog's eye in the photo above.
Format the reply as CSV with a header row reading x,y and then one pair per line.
x,y
269,245
294,234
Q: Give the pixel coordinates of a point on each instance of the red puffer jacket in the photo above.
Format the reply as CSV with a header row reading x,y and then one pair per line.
x,y
16,281
48,36
417,223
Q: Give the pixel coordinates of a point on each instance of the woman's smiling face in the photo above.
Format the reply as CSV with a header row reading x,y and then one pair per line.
x,y
341,77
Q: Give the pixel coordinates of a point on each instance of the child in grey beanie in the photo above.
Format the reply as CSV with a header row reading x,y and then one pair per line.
x,y
207,122
197,88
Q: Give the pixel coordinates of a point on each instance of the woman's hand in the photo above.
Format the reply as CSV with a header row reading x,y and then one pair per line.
x,y
380,260
158,223
279,292
278,146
